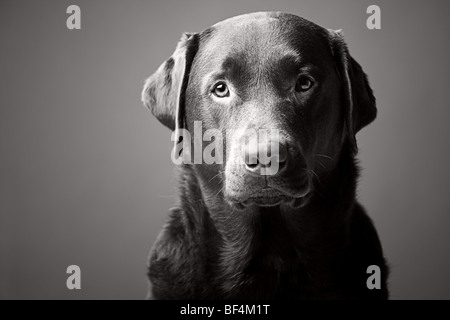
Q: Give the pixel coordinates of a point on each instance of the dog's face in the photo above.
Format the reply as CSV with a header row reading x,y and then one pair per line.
x,y
286,79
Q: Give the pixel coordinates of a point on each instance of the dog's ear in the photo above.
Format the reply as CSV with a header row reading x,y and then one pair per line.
x,y
360,107
164,91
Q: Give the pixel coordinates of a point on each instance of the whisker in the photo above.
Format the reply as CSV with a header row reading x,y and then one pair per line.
x,y
215,176
230,215
315,174
323,155
220,190
312,172
319,162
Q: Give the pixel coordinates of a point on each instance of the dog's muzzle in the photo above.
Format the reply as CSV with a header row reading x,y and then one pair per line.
x,y
268,176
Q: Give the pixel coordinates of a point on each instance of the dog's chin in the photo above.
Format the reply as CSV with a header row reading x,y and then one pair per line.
x,y
270,197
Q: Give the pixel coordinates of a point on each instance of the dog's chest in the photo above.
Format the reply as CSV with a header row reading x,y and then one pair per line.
x,y
272,277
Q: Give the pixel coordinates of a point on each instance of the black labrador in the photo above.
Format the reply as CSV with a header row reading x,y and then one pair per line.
x,y
240,233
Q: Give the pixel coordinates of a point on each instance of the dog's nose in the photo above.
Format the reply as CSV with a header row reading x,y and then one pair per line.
x,y
265,156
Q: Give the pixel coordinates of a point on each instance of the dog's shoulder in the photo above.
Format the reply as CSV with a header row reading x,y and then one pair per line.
x,y
364,237
175,259
365,250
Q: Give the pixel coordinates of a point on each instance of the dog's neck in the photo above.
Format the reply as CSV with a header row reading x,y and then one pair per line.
x,y
279,238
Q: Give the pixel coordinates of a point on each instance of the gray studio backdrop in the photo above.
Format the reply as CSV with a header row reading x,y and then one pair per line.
x,y
85,171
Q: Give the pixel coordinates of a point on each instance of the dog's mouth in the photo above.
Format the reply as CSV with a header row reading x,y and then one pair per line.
x,y
270,197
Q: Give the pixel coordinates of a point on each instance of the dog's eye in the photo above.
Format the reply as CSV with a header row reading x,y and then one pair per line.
x,y
220,90
303,84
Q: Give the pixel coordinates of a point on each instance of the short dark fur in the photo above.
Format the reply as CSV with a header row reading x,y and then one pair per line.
x,y
321,250
303,254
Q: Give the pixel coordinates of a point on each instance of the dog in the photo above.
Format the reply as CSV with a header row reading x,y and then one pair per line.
x,y
237,233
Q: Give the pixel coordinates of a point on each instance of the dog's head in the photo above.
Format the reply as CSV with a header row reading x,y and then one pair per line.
x,y
279,76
